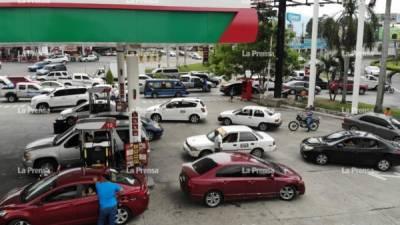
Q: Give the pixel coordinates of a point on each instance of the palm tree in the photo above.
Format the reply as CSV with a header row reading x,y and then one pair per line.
x,y
340,33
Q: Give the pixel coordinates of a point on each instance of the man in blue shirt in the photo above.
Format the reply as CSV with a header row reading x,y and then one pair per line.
x,y
106,193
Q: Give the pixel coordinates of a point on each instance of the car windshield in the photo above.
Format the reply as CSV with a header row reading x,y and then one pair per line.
x,y
62,135
211,136
123,178
38,188
204,165
272,165
395,122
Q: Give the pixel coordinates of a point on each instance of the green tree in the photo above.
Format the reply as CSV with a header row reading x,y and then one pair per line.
x,y
109,77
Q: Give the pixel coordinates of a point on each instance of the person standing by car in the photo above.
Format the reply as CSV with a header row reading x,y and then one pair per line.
x,y
309,117
106,192
217,141
205,86
388,112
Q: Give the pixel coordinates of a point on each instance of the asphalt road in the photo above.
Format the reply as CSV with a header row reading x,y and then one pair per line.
x,y
335,194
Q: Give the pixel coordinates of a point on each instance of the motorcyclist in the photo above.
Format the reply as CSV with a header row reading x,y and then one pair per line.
x,y
309,117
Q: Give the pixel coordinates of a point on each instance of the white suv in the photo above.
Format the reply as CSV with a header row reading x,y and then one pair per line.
x,y
60,98
57,59
184,109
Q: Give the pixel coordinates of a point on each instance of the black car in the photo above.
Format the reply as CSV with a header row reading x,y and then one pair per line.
x,y
386,127
352,147
235,88
207,77
318,81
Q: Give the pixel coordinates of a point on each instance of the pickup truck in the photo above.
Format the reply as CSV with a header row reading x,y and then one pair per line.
x,y
80,79
194,82
52,76
21,90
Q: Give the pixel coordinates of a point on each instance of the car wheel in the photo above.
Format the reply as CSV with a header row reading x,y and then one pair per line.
x,y
123,215
227,121
321,159
42,107
354,128
383,165
362,91
154,95
205,153
12,98
293,126
71,121
257,152
287,193
46,166
150,135
19,222
263,126
213,198
194,119
156,117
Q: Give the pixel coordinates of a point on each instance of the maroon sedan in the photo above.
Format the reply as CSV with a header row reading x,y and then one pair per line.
x,y
69,198
234,176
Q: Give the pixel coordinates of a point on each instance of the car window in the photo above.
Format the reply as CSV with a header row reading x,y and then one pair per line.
x,y
166,85
185,104
83,108
31,87
375,120
204,165
22,87
185,79
87,190
231,138
256,171
72,142
172,105
230,171
78,77
369,143
258,113
85,78
63,194
51,75
60,93
245,112
247,136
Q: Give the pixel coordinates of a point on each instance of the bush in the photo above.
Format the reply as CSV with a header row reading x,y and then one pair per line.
x,y
109,77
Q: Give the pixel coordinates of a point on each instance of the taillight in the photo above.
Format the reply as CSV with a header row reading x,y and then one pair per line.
x,y
203,110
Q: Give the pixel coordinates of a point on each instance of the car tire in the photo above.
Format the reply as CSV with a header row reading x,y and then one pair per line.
x,y
321,159
257,152
156,117
227,121
354,128
150,135
213,198
80,102
383,165
205,153
194,119
287,193
12,98
46,164
19,222
362,91
43,107
123,215
263,126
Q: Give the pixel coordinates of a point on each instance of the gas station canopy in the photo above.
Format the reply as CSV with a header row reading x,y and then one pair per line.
x,y
127,21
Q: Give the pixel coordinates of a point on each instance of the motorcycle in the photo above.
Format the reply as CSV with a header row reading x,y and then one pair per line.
x,y
301,121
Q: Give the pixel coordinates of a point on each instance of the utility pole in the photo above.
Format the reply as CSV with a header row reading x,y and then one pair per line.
x,y
313,66
359,56
280,49
385,48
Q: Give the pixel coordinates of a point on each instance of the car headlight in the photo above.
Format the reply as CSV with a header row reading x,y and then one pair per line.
x,y
3,213
307,147
27,156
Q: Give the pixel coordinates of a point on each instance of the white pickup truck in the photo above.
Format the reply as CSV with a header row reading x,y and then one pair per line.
x,y
80,79
21,90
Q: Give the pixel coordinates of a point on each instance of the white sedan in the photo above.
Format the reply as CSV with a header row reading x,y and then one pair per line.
x,y
234,139
183,109
254,116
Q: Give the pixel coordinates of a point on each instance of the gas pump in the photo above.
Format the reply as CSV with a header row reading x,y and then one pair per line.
x,y
98,145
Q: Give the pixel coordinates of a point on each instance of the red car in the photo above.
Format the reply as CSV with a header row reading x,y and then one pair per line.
x,y
233,176
69,198
338,87
21,79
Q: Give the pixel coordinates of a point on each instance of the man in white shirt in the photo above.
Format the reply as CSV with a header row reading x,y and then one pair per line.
x,y
217,141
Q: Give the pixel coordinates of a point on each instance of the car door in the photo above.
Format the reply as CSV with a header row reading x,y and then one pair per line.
x,y
57,207
58,98
377,126
370,152
242,117
21,90
345,151
86,80
230,142
87,203
186,109
32,91
229,179
260,181
247,142
170,111
69,151
257,118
